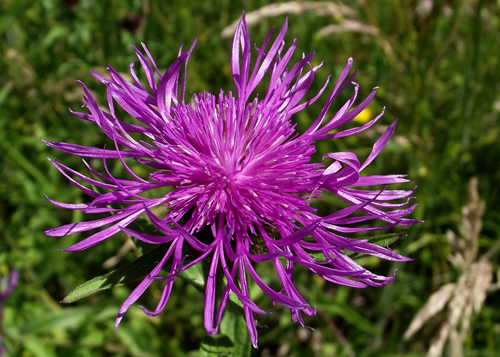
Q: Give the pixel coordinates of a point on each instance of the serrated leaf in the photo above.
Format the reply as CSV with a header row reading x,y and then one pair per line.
x,y
139,268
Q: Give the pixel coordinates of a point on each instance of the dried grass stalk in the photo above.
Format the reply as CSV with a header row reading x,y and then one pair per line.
x,y
273,10
467,296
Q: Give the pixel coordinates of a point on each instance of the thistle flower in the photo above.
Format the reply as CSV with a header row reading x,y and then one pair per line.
x,y
236,177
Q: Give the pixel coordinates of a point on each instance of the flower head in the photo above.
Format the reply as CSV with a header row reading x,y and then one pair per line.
x,y
236,177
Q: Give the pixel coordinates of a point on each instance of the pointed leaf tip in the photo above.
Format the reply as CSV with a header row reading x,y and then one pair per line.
x,y
130,272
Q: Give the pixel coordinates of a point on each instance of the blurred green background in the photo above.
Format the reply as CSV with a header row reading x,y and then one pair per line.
x,y
436,65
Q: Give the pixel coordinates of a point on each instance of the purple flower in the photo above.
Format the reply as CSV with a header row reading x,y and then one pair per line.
x,y
234,166
7,284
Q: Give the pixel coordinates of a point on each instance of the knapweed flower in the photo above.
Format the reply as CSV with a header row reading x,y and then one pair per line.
x,y
236,178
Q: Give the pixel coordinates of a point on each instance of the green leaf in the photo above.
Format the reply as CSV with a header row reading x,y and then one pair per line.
x,y
63,319
142,225
4,92
349,314
233,339
137,269
234,326
218,345
382,240
55,33
235,300
195,277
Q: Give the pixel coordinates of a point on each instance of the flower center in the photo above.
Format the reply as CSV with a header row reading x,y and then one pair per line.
x,y
238,160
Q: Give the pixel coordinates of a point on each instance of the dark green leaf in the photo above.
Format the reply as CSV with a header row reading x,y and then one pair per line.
x,y
195,277
142,225
234,326
137,269
349,314
383,240
218,345
65,318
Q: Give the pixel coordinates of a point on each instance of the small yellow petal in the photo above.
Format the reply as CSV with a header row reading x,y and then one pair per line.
x,y
364,117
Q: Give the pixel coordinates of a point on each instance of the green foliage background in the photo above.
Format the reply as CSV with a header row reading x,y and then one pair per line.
x,y
437,73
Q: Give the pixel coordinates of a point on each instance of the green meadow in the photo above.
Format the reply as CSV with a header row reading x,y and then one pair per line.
x,y
436,65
